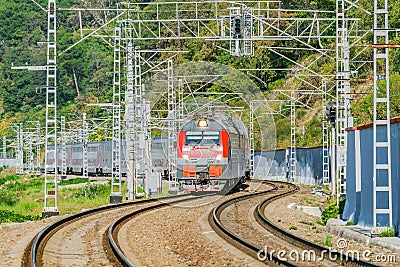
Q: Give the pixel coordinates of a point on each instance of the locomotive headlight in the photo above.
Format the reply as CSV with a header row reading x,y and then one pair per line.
x,y
186,157
202,123
218,157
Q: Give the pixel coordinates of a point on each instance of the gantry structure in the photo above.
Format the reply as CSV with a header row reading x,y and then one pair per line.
x,y
237,23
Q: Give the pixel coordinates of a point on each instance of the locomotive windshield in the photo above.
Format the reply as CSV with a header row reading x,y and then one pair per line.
x,y
202,138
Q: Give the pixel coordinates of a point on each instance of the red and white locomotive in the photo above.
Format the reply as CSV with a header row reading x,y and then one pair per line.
x,y
213,153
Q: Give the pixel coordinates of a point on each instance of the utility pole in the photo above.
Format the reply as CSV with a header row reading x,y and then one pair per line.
x,y
63,150
116,186
85,139
50,185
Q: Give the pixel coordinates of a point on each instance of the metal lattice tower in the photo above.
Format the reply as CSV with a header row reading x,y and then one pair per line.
x,y
29,153
147,145
63,149
4,147
116,194
141,166
20,149
50,185
37,141
292,150
325,138
181,88
251,138
85,140
130,121
171,124
342,95
382,178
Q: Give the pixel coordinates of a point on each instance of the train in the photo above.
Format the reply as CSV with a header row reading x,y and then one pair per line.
x,y
213,153
99,155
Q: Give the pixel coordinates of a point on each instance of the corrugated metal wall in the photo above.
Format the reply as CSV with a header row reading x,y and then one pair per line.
x,y
274,165
359,176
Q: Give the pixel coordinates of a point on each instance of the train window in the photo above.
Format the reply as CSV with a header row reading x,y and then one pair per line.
x,y
92,149
77,149
202,138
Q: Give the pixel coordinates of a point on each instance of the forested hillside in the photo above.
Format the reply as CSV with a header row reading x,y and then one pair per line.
x,y
85,71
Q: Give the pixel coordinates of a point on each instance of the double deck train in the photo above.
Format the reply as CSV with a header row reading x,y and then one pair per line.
x,y
99,155
212,153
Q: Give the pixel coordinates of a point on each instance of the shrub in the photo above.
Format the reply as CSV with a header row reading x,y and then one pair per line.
x,y
389,232
90,191
7,198
75,181
330,212
293,227
328,241
10,216
10,177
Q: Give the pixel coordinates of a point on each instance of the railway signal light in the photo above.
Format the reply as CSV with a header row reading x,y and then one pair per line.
x,y
237,26
331,112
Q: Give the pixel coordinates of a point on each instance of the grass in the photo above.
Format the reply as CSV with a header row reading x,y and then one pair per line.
x,y
328,241
389,232
75,181
21,197
309,201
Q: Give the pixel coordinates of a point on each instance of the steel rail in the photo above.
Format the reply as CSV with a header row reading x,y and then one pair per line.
x,y
236,240
113,229
328,253
33,255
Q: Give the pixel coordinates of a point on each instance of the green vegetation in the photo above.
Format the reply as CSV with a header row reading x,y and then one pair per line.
x,y
330,212
328,241
309,201
85,70
389,232
10,216
350,223
293,227
75,181
21,198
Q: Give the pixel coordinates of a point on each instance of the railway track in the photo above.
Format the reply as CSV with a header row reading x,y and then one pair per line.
x,y
113,230
271,244
176,235
58,243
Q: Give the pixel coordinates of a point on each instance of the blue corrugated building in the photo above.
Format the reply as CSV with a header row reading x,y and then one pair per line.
x,y
359,175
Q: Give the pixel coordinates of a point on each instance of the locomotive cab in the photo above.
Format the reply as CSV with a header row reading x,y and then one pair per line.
x,y
204,155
